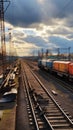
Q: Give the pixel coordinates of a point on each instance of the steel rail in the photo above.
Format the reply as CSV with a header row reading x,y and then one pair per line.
x,y
64,84
52,98
26,85
31,77
49,125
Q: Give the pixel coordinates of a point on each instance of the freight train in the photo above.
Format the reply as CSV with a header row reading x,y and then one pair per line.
x,y
61,68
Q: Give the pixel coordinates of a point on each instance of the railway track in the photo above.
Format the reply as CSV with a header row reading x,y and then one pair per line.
x,y
44,112
65,83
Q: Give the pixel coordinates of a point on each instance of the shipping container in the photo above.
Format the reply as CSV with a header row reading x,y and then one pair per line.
x,y
64,66
71,69
56,65
49,64
61,66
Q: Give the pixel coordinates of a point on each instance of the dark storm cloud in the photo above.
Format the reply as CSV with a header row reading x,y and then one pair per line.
x,y
23,12
28,12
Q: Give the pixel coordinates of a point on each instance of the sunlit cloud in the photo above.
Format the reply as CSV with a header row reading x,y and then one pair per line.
x,y
29,39
40,24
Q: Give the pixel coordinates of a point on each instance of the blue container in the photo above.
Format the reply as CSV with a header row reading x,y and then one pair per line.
x,y
49,64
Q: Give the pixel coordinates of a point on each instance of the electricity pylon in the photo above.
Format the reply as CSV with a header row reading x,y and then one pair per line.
x,y
2,31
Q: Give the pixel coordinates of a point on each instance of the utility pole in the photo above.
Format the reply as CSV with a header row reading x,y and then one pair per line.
x,y
10,47
42,53
2,29
69,53
58,53
47,51
67,50
39,55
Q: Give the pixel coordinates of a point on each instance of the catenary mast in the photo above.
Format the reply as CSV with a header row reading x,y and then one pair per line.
x,y
2,31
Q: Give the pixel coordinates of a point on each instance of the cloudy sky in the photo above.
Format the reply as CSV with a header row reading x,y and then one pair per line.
x,y
38,24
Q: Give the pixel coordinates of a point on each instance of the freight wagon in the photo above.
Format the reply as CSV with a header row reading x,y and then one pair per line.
x,y
71,70
61,68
